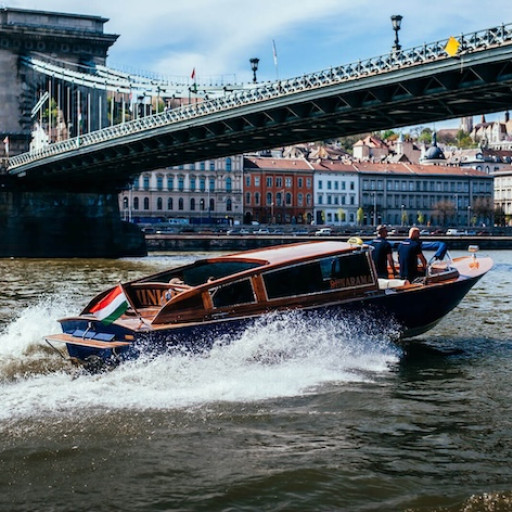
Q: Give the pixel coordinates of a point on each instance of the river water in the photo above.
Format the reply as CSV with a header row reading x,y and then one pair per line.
x,y
287,417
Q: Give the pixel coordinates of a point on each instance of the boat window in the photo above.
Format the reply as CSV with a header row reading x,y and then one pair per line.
x,y
296,280
200,273
240,292
350,265
351,270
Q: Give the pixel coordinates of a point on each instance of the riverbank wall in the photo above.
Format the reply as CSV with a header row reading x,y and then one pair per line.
x,y
214,242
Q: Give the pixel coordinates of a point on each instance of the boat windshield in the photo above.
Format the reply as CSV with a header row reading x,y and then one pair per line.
x,y
205,270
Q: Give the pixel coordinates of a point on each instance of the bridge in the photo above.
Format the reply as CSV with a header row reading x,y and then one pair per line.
x,y
60,198
413,86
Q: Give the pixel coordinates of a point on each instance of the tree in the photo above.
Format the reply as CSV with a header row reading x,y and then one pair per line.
x,y
444,211
483,208
464,141
420,218
405,218
425,136
360,215
499,216
389,135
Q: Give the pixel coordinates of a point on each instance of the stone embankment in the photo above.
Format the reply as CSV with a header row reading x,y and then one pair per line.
x,y
221,242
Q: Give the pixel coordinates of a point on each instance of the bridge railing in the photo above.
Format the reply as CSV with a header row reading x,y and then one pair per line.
x,y
473,42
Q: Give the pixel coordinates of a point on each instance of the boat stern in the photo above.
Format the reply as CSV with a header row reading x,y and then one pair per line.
x,y
91,343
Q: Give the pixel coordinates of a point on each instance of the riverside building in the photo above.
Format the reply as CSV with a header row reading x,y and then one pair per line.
x,y
278,190
207,192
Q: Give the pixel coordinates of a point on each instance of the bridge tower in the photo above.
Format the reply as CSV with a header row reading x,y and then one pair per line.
x,y
54,221
77,40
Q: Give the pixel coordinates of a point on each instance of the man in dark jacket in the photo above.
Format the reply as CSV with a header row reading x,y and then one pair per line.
x,y
382,253
409,252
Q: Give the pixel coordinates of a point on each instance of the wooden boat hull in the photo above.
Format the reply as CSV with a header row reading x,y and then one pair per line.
x,y
413,310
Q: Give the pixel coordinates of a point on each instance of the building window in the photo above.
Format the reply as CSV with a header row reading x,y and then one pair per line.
x,y
308,199
320,185
146,203
308,182
135,184
228,185
269,181
247,181
279,182
256,181
257,198
135,203
169,203
159,203
192,204
228,164
202,204
180,203
299,182
159,182
300,199
202,166
125,203
288,198
212,205
192,183
288,182
212,165
212,185
202,184
145,182
269,198
181,183
247,198
170,182
229,205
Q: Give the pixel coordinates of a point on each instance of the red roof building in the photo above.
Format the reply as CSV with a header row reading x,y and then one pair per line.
x,y
278,190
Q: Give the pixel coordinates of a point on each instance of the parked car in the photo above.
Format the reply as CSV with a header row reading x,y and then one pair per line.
x,y
262,231
454,232
323,232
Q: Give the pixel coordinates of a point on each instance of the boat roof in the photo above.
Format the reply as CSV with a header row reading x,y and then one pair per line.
x,y
292,252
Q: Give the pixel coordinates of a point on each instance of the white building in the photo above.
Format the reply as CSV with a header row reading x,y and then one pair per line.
x,y
503,192
336,189
208,192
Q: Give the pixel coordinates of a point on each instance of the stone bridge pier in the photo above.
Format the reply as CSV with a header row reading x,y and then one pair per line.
x,y
57,224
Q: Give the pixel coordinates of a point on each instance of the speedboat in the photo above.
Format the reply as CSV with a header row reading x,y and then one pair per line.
x,y
189,307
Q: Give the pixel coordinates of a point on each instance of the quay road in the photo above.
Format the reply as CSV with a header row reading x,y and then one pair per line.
x,y
223,242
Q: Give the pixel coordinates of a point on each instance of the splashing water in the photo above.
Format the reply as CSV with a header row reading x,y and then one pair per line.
x,y
280,355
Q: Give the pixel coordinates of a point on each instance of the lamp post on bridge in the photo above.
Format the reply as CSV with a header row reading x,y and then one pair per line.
x,y
396,21
254,66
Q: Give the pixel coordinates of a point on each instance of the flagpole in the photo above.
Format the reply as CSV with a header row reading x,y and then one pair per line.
x,y
274,53
129,300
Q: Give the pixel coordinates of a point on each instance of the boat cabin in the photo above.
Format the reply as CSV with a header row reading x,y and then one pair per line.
x,y
258,281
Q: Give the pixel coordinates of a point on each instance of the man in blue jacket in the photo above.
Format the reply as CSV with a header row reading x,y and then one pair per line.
x,y
409,252
382,253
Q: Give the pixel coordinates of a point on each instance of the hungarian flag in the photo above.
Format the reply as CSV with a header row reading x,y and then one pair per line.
x,y
193,74
111,307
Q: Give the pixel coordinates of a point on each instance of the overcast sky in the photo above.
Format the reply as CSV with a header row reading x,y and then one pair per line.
x,y
217,37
